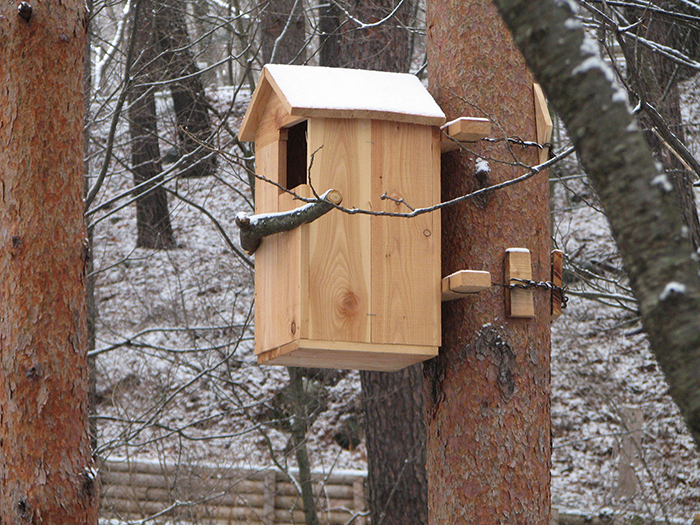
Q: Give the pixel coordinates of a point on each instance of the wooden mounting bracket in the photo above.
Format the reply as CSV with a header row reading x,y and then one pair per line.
x,y
518,268
543,121
557,272
464,129
464,282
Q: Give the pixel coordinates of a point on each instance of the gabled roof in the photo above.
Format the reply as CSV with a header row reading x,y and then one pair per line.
x,y
307,91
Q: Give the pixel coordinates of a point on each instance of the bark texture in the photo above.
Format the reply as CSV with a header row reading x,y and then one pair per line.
x,y
654,78
395,438
640,203
384,47
488,392
177,62
46,467
152,216
282,26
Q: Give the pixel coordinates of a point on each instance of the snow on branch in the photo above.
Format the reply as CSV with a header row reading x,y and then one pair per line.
x,y
254,227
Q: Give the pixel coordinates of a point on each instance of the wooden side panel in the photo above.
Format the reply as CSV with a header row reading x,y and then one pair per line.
x,y
543,121
406,280
266,277
339,244
274,117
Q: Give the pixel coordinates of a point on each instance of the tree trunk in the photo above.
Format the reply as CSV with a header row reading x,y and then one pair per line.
x,y
384,47
152,215
393,403
282,27
92,311
488,392
189,100
329,25
639,201
300,421
46,467
655,80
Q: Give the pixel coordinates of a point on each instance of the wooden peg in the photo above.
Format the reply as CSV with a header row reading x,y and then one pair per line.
x,y
543,121
519,301
464,129
557,269
463,282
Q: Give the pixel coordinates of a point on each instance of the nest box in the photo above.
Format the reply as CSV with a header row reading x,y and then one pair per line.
x,y
347,290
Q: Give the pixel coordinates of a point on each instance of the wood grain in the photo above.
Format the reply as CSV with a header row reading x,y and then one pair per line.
x,y
464,129
340,244
463,283
405,252
543,121
557,272
519,301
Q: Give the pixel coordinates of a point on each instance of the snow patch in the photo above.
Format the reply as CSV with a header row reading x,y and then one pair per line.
x,y
672,288
482,166
571,24
662,182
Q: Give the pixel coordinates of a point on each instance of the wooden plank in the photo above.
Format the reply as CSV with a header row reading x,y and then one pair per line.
x,y
557,272
358,487
464,282
344,354
339,277
543,121
465,129
268,511
405,252
519,301
268,333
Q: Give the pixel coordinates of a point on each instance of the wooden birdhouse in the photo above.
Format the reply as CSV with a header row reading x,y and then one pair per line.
x,y
347,290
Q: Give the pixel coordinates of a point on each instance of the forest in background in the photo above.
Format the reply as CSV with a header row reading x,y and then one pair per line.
x,y
175,378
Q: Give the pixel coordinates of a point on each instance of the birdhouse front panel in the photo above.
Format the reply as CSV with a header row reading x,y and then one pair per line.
x,y
405,251
347,290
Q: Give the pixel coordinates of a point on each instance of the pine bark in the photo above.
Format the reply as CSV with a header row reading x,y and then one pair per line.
x,y
646,222
488,392
46,466
393,405
152,215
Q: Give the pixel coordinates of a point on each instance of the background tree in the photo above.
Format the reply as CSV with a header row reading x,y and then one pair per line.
x,y
177,64
283,31
46,467
654,81
488,403
152,215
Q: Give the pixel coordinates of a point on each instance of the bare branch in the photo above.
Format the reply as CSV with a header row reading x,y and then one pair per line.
x,y
254,227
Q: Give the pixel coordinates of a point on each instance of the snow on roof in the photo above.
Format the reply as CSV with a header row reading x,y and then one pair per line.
x,y
342,93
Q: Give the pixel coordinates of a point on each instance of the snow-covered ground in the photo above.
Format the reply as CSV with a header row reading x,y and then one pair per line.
x,y
177,379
